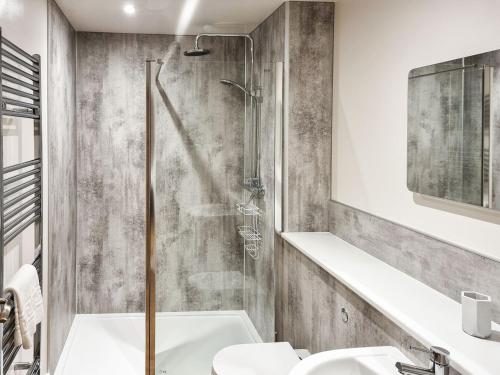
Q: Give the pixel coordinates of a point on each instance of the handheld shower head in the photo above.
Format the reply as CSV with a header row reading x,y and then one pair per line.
x,y
228,82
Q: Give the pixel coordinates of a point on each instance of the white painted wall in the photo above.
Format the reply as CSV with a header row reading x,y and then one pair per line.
x,y
377,43
24,22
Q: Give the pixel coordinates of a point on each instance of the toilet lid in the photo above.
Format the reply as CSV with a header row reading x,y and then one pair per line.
x,y
255,359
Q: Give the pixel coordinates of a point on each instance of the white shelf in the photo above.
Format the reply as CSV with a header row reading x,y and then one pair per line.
x,y
249,233
248,209
429,316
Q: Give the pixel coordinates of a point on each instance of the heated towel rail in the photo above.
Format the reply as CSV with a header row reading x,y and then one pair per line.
x,y
21,184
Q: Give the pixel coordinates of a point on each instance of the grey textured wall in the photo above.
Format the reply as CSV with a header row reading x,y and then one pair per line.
x,y
269,38
61,181
308,29
199,178
447,268
305,30
111,208
311,317
310,70
199,155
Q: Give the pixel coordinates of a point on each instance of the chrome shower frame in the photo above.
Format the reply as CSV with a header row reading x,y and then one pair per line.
x,y
253,184
150,225
231,35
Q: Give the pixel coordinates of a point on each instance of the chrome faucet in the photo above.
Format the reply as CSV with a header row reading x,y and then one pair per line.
x,y
439,363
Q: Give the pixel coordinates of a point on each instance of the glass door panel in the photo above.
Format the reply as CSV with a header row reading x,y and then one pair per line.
x,y
206,290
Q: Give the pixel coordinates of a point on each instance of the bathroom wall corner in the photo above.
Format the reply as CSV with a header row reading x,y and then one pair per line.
x,y
310,32
61,176
421,256
259,301
312,315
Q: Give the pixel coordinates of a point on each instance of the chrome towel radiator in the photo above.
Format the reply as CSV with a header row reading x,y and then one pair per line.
x,y
21,184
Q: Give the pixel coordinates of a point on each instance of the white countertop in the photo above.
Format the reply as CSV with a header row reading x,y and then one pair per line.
x,y
429,316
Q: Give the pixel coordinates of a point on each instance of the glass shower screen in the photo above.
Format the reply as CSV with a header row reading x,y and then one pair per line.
x,y
210,285
196,300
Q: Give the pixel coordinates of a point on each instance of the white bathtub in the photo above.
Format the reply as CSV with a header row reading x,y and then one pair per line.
x,y
107,344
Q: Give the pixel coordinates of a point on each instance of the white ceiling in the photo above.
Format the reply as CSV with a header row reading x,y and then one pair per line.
x,y
181,17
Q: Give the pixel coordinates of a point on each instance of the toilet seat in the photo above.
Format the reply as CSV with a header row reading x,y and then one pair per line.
x,y
255,359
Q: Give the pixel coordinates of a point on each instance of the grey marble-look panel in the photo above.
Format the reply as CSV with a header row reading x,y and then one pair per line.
x,y
199,142
61,119
495,129
310,67
445,267
111,206
259,299
199,156
310,33
312,302
269,38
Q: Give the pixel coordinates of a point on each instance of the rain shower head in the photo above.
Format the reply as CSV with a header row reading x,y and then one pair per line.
x,y
196,52
228,82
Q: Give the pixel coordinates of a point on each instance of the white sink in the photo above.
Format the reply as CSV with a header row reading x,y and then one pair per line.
x,y
378,360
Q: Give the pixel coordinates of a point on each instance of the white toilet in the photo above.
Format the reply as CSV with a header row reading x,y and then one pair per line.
x,y
255,359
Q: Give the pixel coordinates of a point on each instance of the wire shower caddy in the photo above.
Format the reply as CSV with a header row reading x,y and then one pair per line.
x,y
250,232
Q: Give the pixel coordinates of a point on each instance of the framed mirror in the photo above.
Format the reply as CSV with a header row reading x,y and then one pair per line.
x,y
454,130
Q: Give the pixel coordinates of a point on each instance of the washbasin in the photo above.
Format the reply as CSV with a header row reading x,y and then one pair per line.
x,y
378,360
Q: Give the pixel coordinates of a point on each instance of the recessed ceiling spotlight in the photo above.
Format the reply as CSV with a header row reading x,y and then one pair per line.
x,y
129,9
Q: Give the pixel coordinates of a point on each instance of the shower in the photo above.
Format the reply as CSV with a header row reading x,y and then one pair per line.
x,y
228,82
253,184
196,52
211,290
